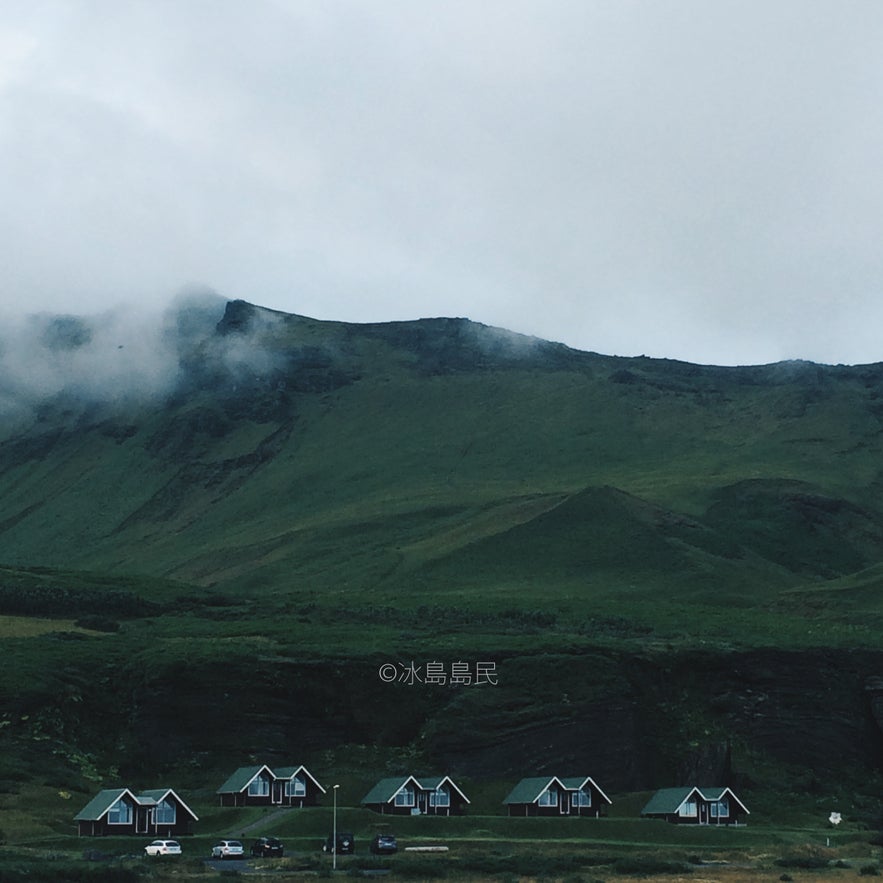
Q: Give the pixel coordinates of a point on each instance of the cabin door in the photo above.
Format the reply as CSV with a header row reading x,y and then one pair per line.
x,y
142,820
703,813
277,790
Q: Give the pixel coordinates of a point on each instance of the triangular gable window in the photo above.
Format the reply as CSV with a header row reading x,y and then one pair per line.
x,y
296,787
581,798
165,812
440,797
259,785
121,812
549,797
405,796
688,808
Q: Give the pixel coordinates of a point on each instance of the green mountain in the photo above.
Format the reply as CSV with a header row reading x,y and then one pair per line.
x,y
674,568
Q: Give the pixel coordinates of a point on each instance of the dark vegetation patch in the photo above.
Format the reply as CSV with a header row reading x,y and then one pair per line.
x,y
792,524
189,432
804,862
539,864
438,617
645,867
32,446
65,333
63,601
441,619
66,871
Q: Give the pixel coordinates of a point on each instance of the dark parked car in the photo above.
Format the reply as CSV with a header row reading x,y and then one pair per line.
x,y
267,847
384,844
346,844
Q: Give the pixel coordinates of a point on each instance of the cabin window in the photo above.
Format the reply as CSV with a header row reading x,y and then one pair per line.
x,y
688,808
721,808
296,787
440,797
405,797
259,786
165,812
581,798
120,813
548,798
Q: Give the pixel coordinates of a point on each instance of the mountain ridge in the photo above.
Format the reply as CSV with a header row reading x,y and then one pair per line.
x,y
244,410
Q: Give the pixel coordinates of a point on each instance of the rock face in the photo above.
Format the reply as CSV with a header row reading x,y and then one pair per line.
x,y
237,318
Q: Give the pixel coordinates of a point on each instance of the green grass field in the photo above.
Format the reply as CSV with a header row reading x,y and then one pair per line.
x,y
478,848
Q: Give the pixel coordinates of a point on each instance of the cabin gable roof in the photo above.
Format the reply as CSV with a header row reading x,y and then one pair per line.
x,y
242,778
157,795
98,806
289,772
530,789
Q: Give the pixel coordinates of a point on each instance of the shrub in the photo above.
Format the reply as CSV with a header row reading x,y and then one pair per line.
x,y
807,857
804,862
869,871
647,866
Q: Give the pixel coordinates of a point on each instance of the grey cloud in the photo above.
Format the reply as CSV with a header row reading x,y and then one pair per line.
x,y
119,357
686,179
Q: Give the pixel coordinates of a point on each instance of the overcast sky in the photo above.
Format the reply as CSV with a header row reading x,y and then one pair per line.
x,y
693,179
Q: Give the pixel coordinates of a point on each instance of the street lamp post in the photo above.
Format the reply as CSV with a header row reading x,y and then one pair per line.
x,y
334,831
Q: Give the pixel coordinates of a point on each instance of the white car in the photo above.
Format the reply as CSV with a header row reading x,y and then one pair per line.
x,y
163,847
228,849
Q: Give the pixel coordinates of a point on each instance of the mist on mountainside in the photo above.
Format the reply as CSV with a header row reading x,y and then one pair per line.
x,y
129,357
122,356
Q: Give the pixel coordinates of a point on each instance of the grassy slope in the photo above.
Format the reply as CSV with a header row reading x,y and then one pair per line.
x,y
404,461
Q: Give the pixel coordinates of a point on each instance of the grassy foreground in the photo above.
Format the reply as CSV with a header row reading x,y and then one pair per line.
x,y
479,848
770,855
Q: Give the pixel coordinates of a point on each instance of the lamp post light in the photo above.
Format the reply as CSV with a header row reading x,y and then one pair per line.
x,y
334,831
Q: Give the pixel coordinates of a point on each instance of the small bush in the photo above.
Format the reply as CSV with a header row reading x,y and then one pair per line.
x,y
869,871
648,866
804,862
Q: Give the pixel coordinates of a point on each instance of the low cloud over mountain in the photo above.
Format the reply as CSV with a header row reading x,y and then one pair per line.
x,y
121,356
